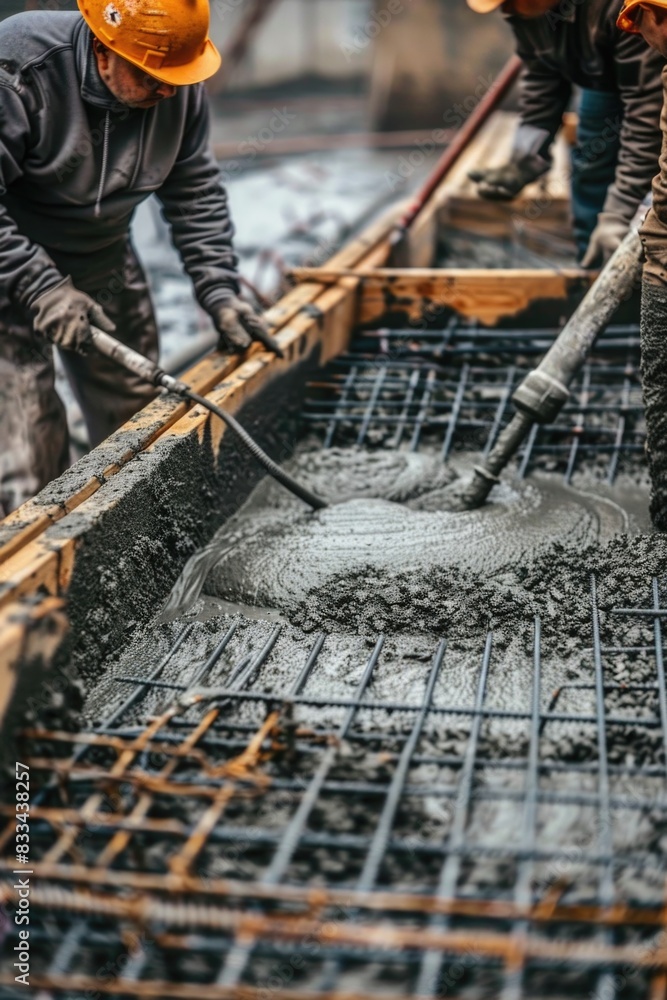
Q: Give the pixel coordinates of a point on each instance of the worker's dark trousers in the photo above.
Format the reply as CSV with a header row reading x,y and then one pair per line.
x,y
654,391
34,443
594,159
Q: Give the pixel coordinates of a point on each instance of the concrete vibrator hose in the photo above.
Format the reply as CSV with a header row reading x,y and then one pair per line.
x,y
152,373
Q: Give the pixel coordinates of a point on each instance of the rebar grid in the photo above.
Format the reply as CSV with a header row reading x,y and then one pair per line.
x,y
260,837
449,390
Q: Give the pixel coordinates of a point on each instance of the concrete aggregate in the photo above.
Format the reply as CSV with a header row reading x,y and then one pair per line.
x,y
386,560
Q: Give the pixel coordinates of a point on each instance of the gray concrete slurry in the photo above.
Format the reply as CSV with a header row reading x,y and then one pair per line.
x,y
385,558
387,515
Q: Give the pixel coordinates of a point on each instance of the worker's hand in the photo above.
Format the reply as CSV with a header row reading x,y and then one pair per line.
x,y
504,183
605,239
64,315
238,325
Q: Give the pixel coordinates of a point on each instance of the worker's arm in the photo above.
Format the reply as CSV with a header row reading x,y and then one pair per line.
x,y
638,74
26,269
195,205
60,312
654,230
638,77
544,96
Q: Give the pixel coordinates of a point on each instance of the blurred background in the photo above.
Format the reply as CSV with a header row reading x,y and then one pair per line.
x,y
323,114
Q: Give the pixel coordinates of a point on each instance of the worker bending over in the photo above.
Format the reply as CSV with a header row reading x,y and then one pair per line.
x,y
650,21
578,42
97,112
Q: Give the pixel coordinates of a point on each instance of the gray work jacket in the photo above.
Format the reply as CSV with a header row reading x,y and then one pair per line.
x,y
577,42
75,163
654,230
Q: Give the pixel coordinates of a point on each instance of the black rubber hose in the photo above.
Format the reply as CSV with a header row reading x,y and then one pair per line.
x,y
271,467
145,369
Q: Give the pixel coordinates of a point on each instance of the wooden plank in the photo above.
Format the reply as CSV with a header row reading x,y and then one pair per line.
x,y
546,203
37,515
31,634
502,219
416,296
488,296
47,562
570,125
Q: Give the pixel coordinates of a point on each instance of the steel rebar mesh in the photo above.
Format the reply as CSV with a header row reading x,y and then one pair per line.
x,y
239,828
451,390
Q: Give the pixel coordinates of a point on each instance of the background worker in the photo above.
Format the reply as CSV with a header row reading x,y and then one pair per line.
x,y
577,42
97,112
650,21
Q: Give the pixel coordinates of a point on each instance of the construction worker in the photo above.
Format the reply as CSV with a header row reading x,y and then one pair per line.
x,y
577,42
650,21
98,110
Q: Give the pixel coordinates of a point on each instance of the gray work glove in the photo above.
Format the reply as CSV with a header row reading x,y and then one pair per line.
x,y
238,325
504,183
529,160
605,239
64,315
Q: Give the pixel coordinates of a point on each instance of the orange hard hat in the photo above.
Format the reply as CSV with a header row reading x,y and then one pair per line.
x,y
626,19
169,39
484,6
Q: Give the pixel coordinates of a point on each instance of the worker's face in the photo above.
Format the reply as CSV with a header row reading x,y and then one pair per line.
x,y
652,25
129,84
528,8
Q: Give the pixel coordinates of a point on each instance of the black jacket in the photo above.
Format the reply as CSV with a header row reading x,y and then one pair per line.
x,y
577,42
74,165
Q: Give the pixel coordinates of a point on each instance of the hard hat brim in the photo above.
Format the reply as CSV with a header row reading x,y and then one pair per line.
x,y
625,20
484,6
200,69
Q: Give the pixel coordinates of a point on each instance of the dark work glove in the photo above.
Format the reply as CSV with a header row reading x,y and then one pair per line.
x,y
605,239
504,183
238,325
64,315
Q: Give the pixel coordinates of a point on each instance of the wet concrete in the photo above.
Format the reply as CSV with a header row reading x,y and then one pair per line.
x,y
390,561
387,562
388,515
415,610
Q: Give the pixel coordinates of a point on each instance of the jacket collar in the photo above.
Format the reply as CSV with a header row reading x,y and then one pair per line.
x,y
93,89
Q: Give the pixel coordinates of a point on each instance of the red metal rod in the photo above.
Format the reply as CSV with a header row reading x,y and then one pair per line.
x,y
465,134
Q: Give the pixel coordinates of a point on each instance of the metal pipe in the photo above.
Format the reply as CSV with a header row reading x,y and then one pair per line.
x,y
544,391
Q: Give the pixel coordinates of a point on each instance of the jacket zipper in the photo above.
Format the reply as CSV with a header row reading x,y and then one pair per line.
x,y
105,165
140,153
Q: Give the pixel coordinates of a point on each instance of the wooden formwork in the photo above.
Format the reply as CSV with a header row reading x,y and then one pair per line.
x,y
44,542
